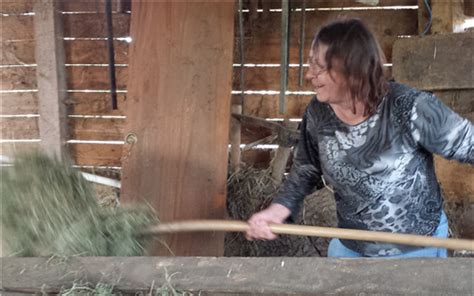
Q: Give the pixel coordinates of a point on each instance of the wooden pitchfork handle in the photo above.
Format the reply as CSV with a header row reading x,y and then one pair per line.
x,y
330,232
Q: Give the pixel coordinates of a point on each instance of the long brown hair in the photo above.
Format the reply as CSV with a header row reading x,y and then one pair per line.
x,y
358,57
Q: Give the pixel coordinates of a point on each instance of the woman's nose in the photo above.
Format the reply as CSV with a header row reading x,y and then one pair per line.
x,y
309,75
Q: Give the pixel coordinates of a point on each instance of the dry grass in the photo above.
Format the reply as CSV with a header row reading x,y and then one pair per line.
x,y
48,208
251,190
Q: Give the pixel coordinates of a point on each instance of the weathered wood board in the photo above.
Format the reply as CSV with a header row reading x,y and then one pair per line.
x,y
178,110
343,3
25,6
89,25
435,62
79,78
77,52
262,42
267,276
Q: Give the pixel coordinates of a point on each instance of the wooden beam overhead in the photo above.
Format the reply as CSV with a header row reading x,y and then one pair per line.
x,y
51,76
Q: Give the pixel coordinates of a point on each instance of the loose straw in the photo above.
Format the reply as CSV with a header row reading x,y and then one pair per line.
x,y
330,232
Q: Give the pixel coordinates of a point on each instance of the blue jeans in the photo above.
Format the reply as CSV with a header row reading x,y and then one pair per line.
x,y
337,249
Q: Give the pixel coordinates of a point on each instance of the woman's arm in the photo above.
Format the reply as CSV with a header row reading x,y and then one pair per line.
x,y
438,129
304,176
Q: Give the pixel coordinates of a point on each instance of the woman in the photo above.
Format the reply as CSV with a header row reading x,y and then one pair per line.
x,y
373,141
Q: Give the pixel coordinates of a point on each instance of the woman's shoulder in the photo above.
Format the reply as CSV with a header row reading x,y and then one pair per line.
x,y
398,90
401,96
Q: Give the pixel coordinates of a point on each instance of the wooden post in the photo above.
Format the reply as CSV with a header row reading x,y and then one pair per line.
x,y
235,138
448,16
282,154
178,113
51,76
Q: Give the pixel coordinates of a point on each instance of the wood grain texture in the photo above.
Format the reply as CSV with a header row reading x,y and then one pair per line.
x,y
96,154
25,6
95,78
342,3
77,52
456,179
178,107
102,129
19,128
78,78
91,25
264,34
460,100
266,106
18,78
435,62
51,76
19,103
94,52
95,104
249,276
17,27
10,149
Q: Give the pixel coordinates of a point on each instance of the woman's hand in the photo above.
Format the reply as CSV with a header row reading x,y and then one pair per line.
x,y
258,223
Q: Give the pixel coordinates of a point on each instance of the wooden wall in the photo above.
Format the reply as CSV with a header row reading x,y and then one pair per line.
x,y
90,116
89,104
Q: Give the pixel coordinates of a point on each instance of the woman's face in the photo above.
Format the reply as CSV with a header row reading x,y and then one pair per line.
x,y
330,86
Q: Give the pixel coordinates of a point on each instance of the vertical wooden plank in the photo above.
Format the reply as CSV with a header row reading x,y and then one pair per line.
x,y
235,139
51,76
178,110
448,16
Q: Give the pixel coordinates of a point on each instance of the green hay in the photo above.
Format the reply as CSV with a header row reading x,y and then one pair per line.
x,y
48,208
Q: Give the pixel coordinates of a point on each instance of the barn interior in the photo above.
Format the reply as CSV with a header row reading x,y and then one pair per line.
x,y
193,109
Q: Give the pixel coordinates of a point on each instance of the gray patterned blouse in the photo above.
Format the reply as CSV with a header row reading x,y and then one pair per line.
x,y
381,169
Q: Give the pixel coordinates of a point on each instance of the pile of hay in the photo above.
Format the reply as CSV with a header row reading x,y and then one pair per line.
x,y
48,208
251,190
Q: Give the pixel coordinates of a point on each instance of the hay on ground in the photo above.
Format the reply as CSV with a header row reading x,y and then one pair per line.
x,y
250,190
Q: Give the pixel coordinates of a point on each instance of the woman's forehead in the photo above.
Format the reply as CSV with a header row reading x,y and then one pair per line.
x,y
318,52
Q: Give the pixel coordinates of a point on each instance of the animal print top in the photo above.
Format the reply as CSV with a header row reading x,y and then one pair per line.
x,y
381,169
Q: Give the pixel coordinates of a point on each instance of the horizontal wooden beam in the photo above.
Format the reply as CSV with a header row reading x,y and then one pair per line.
x,y
78,78
343,3
76,51
435,62
91,25
25,6
270,276
286,137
